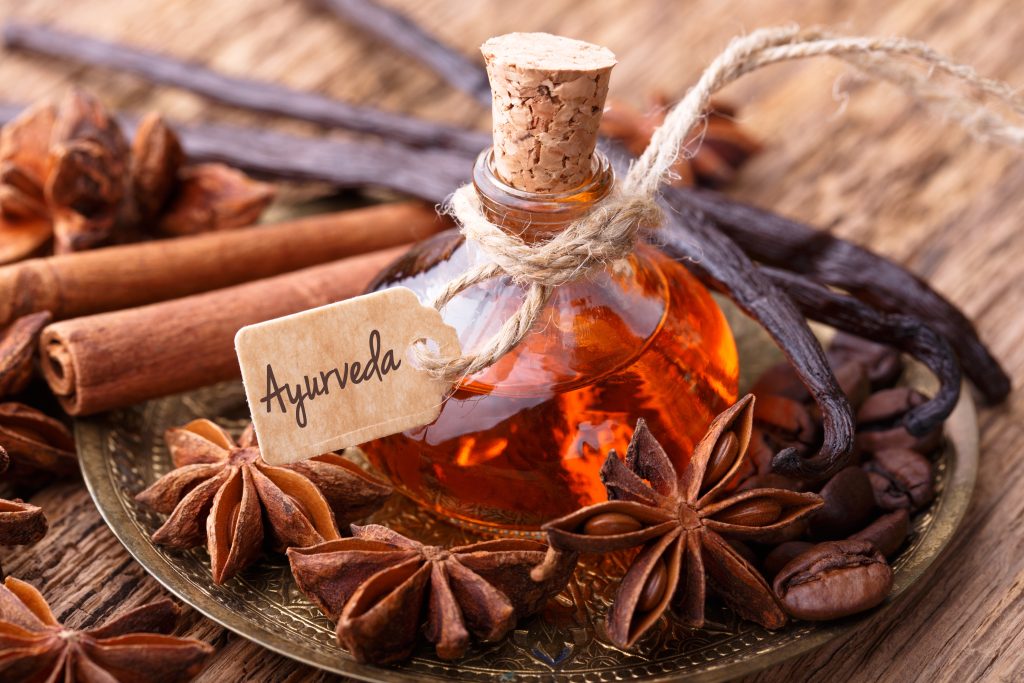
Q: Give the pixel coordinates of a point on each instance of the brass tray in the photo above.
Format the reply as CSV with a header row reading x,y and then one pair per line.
x,y
123,452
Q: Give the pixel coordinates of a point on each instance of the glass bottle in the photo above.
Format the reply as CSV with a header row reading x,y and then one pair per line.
x,y
523,441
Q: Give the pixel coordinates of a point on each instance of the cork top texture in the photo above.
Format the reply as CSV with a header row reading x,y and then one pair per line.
x,y
548,97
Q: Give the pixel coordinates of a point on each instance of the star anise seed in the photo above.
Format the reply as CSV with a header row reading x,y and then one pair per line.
x,y
681,523
222,492
378,584
36,441
131,647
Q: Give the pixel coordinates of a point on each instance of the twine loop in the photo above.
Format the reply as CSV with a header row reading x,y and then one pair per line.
x,y
609,232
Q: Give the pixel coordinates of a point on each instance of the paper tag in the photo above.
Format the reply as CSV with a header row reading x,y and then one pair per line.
x,y
341,375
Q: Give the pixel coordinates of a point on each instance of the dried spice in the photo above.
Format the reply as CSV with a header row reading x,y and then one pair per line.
x,y
133,646
887,533
681,522
87,174
771,238
68,173
901,479
397,30
222,492
379,586
882,422
833,580
214,197
35,441
24,146
882,364
253,95
18,343
721,265
157,159
21,523
721,147
792,246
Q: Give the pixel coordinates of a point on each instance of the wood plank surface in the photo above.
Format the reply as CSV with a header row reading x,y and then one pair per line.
x,y
852,157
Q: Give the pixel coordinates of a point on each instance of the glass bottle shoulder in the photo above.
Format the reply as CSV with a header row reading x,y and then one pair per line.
x,y
589,329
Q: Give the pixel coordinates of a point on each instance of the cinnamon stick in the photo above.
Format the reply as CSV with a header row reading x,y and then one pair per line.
x,y
248,94
120,277
116,359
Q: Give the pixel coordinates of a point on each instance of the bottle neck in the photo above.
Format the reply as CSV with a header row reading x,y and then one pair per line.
x,y
537,216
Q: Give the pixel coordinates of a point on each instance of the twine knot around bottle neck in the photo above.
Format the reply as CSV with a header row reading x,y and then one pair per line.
x,y
611,229
606,232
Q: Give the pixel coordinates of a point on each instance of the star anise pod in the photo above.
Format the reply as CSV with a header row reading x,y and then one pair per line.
x,y
87,175
157,158
379,584
681,524
131,647
222,492
18,342
214,197
68,173
36,442
21,523
722,151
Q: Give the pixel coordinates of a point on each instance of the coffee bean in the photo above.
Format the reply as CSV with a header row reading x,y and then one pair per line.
x,y
853,380
761,450
886,408
887,533
610,524
901,478
770,481
899,437
832,580
883,364
849,501
654,588
785,419
722,458
751,512
781,555
780,380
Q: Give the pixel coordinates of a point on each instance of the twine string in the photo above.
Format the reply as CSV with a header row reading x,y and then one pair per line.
x,y
609,232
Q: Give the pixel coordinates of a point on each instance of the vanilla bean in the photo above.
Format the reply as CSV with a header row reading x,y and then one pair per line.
x,y
257,96
788,244
903,332
405,35
689,236
428,174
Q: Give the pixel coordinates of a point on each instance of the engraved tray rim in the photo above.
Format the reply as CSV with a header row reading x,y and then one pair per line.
x,y
948,511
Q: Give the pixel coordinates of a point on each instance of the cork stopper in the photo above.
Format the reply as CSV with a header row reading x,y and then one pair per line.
x,y
548,97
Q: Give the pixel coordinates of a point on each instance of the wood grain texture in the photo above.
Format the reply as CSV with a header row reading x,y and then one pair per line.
x,y
855,158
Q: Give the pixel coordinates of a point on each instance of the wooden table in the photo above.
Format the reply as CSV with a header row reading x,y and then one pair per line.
x,y
855,158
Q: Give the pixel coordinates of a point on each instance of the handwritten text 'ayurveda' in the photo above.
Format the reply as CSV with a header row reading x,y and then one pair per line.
x,y
355,372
